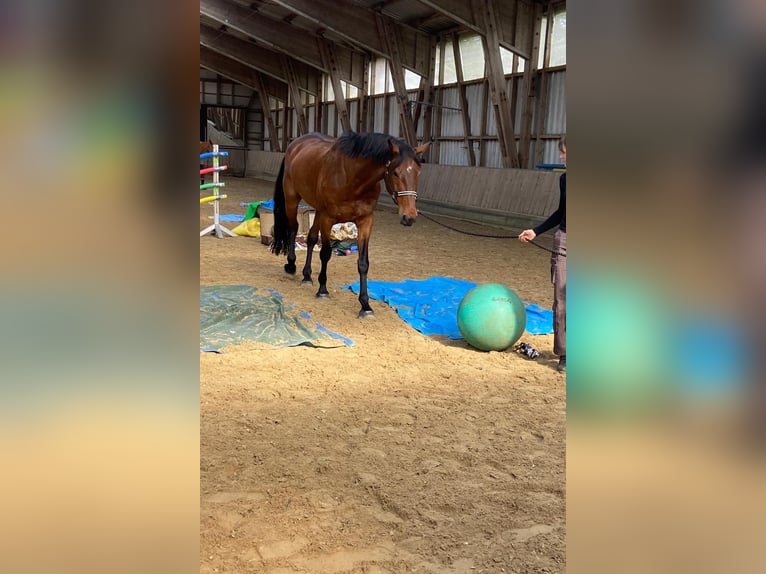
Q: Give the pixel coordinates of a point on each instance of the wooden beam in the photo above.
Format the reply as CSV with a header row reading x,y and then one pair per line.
x,y
256,57
282,37
295,94
514,89
464,13
364,102
358,26
530,81
439,103
341,107
486,100
285,127
426,95
323,123
496,77
386,114
463,100
238,72
263,94
389,36
542,107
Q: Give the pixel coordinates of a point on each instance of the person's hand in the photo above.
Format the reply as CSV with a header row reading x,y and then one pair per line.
x,y
527,235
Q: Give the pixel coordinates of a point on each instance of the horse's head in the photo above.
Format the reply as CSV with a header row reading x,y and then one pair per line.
x,y
401,178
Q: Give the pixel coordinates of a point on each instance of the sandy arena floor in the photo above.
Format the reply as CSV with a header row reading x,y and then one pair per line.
x,y
401,454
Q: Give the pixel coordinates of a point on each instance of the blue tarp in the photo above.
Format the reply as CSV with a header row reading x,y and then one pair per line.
x,y
269,204
231,217
430,305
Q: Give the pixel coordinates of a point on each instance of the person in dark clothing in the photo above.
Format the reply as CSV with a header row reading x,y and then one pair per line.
x,y
558,264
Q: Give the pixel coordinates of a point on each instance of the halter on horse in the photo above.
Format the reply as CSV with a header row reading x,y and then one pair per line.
x,y
340,179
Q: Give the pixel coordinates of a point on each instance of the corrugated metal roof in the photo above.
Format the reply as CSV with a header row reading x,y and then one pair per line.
x,y
412,13
407,11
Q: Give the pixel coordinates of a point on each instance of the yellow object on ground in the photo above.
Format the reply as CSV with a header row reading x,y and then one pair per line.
x,y
249,227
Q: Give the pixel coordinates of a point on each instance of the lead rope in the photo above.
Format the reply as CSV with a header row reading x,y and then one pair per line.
x,y
490,236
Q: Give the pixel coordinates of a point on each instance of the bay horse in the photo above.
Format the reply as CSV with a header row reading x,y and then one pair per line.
x,y
340,178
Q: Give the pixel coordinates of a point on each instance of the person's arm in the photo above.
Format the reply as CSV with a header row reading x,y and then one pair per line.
x,y
553,220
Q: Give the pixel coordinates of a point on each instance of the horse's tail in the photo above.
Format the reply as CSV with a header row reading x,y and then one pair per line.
x,y
281,235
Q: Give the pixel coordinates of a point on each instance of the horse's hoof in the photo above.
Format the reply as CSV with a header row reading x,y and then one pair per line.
x,y
323,295
307,282
368,313
290,268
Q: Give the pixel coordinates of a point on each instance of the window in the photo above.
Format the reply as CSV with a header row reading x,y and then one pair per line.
x,y
328,94
558,39
381,82
226,126
471,56
411,80
450,75
378,72
352,91
507,58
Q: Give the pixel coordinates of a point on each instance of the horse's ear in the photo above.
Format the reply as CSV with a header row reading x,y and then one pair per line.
x,y
394,147
421,149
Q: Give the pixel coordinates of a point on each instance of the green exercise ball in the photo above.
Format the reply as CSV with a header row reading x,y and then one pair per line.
x,y
491,317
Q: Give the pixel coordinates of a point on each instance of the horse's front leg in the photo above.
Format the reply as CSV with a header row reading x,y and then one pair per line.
x,y
311,241
364,229
324,256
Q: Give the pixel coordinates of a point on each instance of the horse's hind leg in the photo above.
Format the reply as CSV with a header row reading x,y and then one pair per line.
x,y
311,241
324,255
293,232
292,226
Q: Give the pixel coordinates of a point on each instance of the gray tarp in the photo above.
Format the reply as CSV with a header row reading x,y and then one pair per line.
x,y
233,314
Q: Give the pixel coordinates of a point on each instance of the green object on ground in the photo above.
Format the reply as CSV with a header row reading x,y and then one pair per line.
x,y
491,317
252,210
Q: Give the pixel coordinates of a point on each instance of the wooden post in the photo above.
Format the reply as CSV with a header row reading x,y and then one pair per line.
x,y
295,94
542,108
330,62
514,87
267,117
364,100
485,98
439,102
285,127
388,36
496,77
424,106
463,101
530,77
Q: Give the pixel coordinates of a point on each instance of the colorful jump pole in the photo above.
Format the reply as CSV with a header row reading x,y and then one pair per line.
x,y
216,227
210,198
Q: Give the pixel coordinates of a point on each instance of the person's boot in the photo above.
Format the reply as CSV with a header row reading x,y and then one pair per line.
x,y
562,368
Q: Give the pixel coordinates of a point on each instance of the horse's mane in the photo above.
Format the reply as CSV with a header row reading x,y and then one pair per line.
x,y
372,146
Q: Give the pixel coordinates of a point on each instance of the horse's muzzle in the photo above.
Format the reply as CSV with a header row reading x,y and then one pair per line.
x,y
408,221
